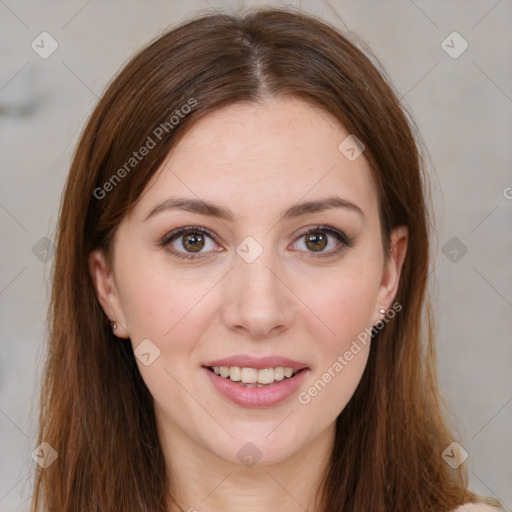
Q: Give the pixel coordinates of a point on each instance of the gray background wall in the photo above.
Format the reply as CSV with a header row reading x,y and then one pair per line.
x,y
462,105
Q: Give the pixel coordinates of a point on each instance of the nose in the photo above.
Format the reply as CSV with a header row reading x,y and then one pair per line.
x,y
259,300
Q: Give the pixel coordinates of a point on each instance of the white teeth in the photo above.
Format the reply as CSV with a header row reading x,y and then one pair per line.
x,y
266,376
253,377
235,374
279,373
249,375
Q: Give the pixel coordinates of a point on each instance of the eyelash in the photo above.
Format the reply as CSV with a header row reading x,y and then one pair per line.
x,y
346,242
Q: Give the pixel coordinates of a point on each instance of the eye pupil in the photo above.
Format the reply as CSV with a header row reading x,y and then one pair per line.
x,y
196,244
315,238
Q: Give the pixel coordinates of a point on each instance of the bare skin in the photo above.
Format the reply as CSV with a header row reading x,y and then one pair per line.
x,y
257,160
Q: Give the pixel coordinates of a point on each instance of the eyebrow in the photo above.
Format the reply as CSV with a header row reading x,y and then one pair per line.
x,y
203,207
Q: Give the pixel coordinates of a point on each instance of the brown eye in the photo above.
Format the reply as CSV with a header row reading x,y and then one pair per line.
x,y
316,242
317,239
193,242
190,242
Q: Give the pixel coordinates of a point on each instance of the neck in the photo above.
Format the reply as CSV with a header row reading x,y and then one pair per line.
x,y
202,481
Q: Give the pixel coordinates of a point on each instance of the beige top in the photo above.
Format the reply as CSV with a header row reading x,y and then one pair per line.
x,y
476,507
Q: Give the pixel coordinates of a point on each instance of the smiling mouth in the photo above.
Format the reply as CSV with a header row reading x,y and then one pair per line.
x,y
253,377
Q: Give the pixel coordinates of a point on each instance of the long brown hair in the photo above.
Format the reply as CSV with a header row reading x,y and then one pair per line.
x,y
95,409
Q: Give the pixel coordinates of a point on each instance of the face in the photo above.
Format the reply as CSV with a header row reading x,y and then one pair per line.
x,y
273,275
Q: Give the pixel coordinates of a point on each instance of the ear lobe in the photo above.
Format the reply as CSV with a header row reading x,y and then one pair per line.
x,y
393,269
106,290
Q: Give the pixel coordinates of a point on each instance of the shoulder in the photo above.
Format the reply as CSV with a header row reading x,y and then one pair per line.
x,y
476,507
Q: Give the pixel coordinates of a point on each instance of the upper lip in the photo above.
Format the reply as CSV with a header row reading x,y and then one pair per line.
x,y
247,361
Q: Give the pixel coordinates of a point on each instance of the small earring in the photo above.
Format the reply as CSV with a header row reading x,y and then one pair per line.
x,y
113,323
382,312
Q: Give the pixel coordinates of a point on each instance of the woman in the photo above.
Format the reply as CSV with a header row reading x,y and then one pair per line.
x,y
236,318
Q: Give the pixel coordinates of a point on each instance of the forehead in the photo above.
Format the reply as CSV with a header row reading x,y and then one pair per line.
x,y
272,154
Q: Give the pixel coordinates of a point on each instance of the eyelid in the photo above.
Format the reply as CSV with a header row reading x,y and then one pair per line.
x,y
327,229
345,241
186,229
176,233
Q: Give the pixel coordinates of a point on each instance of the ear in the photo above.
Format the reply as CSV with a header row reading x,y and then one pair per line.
x,y
106,291
392,270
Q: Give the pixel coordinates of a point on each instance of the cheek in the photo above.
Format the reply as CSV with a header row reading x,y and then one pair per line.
x,y
344,301
347,309
169,309
158,304
328,392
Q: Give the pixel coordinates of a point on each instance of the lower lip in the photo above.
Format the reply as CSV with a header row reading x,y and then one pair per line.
x,y
256,397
